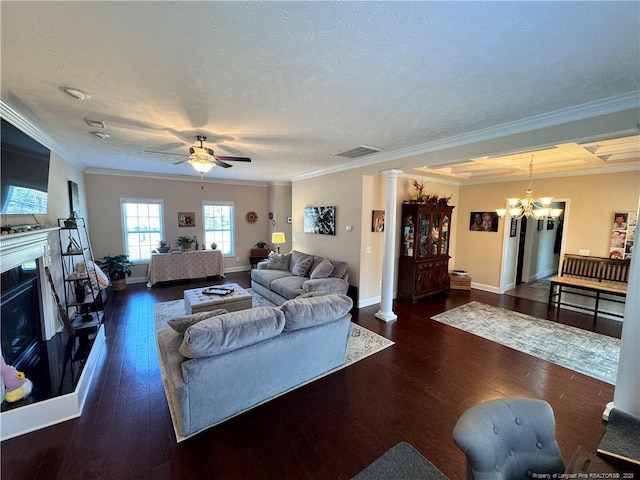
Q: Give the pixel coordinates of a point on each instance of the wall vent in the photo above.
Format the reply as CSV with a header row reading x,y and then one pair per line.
x,y
95,123
359,151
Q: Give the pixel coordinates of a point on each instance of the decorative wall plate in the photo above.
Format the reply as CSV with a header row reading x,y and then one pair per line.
x,y
251,217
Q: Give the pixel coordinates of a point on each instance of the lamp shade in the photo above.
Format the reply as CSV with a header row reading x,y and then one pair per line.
x,y
277,238
202,166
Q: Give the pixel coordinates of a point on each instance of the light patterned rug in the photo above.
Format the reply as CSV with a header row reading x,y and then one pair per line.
x,y
580,350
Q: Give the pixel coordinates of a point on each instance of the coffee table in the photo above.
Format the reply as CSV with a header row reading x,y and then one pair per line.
x,y
195,300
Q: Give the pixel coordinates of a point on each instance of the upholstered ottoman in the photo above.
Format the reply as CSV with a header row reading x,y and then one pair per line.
x,y
195,300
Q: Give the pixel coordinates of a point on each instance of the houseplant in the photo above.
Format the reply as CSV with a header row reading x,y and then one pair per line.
x,y
185,242
117,267
163,247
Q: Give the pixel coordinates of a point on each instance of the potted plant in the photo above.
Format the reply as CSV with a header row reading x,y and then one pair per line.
x,y
185,242
163,247
117,268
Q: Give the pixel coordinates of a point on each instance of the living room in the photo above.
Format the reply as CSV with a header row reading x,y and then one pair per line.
x,y
418,378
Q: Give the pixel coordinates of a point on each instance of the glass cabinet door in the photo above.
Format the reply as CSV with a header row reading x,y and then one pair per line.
x,y
407,236
423,235
435,235
444,247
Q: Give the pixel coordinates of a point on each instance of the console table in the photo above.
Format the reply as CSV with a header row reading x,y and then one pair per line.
x,y
164,267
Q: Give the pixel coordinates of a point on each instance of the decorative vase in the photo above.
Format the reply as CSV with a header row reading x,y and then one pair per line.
x,y
214,245
163,249
187,246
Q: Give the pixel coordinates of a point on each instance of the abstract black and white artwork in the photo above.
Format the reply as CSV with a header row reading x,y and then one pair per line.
x,y
320,220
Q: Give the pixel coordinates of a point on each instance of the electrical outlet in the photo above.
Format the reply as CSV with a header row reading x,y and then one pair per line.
x,y
237,259
584,251
367,249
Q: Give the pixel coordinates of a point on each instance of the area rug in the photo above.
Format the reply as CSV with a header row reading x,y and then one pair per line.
x,y
402,462
582,351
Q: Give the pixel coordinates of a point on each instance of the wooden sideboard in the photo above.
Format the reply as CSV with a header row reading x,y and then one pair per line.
x,y
164,267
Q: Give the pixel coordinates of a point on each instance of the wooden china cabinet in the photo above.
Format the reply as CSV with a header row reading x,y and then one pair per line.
x,y
424,252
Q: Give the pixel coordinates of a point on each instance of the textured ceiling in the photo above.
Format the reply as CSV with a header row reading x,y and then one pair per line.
x,y
292,83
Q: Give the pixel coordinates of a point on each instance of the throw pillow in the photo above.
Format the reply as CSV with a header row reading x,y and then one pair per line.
x,y
304,312
323,270
225,333
339,269
279,261
302,266
181,323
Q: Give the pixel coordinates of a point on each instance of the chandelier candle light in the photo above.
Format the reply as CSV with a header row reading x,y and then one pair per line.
x,y
526,207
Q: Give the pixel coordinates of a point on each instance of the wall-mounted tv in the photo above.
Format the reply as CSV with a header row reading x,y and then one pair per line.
x,y
24,173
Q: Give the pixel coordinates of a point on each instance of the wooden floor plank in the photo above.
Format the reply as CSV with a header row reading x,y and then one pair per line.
x,y
414,391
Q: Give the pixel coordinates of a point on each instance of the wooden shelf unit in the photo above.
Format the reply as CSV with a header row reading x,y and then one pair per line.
x,y
423,268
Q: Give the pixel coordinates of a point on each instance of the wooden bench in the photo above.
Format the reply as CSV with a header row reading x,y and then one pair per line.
x,y
595,275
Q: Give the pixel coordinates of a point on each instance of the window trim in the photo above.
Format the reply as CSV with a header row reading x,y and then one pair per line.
x,y
209,203
123,222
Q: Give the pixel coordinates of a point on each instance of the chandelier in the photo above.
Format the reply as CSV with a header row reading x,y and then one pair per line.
x,y
526,207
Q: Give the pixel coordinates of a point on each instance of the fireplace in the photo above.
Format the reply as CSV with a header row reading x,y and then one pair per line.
x,y
32,339
20,328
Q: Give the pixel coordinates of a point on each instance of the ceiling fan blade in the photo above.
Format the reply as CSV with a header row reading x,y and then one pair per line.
x,y
165,153
222,164
181,161
232,159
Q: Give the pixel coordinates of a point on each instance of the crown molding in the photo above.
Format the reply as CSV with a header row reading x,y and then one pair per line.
x,y
618,103
167,176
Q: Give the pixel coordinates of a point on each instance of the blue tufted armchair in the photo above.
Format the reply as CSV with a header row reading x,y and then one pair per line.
x,y
509,439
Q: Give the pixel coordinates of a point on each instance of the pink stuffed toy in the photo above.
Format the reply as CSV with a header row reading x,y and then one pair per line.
x,y
16,386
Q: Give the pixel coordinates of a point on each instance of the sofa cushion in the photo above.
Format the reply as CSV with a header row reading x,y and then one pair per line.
x,y
307,312
322,270
225,333
339,269
279,261
302,266
265,277
288,287
295,255
181,323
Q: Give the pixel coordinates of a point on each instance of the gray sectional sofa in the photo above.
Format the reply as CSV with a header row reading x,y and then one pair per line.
x,y
217,365
283,277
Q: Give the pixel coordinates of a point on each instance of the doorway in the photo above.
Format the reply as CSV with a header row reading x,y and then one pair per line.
x,y
535,255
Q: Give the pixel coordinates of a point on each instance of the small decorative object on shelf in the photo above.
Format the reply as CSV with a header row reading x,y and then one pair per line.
x,y
214,245
163,247
71,221
419,188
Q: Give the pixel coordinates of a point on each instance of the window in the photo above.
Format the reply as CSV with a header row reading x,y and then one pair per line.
x,y
143,228
218,226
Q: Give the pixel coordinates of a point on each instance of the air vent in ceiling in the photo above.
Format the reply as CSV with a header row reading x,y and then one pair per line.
x,y
95,123
359,151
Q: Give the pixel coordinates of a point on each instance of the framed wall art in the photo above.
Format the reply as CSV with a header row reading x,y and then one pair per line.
x,y
514,227
377,221
74,197
623,234
540,224
321,220
483,222
186,219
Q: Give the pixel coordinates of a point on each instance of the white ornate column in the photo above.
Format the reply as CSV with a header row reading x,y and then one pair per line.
x,y
388,260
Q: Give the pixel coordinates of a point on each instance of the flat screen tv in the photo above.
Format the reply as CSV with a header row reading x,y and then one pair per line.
x,y
24,173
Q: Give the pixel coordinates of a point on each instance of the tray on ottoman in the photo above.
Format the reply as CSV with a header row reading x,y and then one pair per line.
x,y
197,300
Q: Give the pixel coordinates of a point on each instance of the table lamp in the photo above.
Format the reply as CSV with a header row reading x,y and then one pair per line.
x,y
277,238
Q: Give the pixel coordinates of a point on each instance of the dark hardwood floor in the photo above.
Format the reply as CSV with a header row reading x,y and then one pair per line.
x,y
332,428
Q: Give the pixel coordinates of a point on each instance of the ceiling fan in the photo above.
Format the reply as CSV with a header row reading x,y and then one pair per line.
x,y
203,158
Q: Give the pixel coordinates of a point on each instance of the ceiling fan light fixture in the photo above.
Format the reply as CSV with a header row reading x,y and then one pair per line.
x,y
199,164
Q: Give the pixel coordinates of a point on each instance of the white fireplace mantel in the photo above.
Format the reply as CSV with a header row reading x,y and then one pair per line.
x,y
15,250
